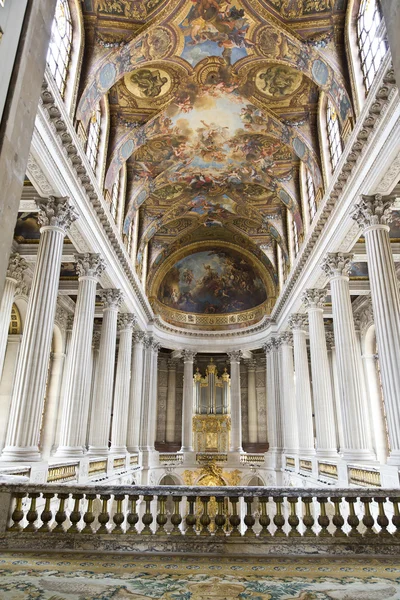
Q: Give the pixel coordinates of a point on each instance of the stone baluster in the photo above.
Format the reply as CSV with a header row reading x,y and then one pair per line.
x,y
236,409
55,216
297,323
288,399
274,411
187,404
122,382
135,393
171,401
102,401
357,439
14,277
75,405
321,377
374,215
252,401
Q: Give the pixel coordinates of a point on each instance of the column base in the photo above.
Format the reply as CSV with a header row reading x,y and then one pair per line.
x,y
149,457
98,451
17,454
350,455
186,449
68,452
307,452
133,449
118,450
394,458
328,453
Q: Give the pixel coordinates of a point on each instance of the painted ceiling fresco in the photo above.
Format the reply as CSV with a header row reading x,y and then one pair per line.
x,y
213,107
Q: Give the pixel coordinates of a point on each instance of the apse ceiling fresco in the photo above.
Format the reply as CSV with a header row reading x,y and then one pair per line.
x,y
213,108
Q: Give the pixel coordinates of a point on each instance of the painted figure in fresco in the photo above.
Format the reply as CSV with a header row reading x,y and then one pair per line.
x,y
149,82
278,81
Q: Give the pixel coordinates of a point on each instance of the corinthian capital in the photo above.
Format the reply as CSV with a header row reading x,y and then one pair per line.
x,y
16,267
235,355
272,344
373,210
297,321
56,212
314,298
111,298
285,338
330,339
155,346
188,355
89,265
147,341
337,263
125,321
138,337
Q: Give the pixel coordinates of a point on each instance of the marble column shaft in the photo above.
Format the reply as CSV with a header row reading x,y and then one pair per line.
x,y
92,384
14,277
298,324
274,417
122,384
49,424
89,268
171,401
153,396
330,340
148,414
135,393
321,378
288,398
101,409
374,214
252,401
236,401
187,403
357,439
55,216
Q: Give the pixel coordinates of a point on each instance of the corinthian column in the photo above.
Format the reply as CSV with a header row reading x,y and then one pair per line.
x,y
187,404
122,381
290,422
357,439
374,215
148,413
55,216
89,268
236,409
252,401
171,401
135,393
321,377
274,413
298,323
14,276
153,393
102,401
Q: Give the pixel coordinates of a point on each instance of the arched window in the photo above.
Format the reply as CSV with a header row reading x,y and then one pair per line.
x,y
59,52
93,140
334,140
115,197
370,43
295,238
312,204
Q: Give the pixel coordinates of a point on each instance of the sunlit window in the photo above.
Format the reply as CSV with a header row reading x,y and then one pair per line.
x,y
371,45
295,238
312,205
59,52
334,140
93,141
129,238
115,197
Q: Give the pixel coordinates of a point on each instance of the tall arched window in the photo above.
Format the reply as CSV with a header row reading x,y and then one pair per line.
x,y
59,52
371,45
115,197
296,246
93,140
312,204
334,139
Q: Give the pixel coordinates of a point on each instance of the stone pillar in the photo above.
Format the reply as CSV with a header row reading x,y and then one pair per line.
x,y
92,382
51,404
122,384
135,393
298,323
187,404
274,417
7,382
252,401
288,399
14,276
330,343
75,406
171,401
374,214
55,216
357,439
236,410
321,377
67,344
146,391
153,392
102,401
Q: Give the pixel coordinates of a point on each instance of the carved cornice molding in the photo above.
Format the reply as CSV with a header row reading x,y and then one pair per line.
x,y
390,178
169,328
38,178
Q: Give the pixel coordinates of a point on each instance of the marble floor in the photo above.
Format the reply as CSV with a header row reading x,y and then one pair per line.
x,y
64,576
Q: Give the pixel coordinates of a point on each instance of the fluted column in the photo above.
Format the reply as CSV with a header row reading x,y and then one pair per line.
x,y
252,401
357,439
288,403
122,381
187,404
274,416
135,392
153,394
330,343
171,401
102,401
236,409
92,382
146,392
374,215
298,323
75,405
321,378
14,276
55,216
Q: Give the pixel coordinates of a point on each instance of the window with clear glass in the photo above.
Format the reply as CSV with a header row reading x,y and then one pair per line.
x,y
129,238
295,238
370,43
59,52
115,197
312,204
93,141
334,139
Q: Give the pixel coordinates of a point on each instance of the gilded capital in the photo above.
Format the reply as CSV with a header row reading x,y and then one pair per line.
x,y
314,298
372,210
188,355
125,321
111,298
336,264
56,212
235,355
89,265
298,321
16,267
